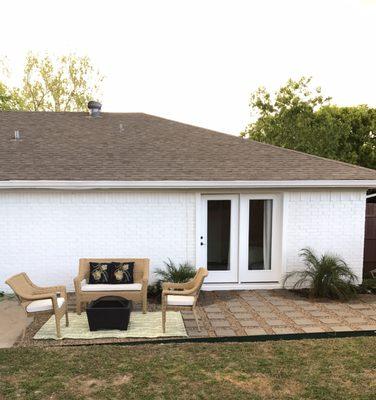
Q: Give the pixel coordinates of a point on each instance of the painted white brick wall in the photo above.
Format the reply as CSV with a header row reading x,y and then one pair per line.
x,y
46,232
325,221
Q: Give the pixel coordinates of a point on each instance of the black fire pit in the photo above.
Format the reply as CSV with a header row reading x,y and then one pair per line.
x,y
109,312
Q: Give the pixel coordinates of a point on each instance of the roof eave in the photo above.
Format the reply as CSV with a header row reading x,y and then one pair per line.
x,y
52,184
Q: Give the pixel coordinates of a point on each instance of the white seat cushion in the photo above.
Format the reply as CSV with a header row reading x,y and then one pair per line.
x,y
175,300
106,287
43,305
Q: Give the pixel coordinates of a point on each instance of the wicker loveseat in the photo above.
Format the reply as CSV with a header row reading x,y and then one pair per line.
x,y
136,291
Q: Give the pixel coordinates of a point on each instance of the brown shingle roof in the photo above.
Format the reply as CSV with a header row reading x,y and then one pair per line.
x,y
74,146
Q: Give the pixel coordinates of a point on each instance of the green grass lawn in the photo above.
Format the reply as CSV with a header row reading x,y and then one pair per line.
x,y
304,369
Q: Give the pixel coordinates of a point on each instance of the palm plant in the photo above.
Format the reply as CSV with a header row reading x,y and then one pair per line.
x,y
368,286
325,276
177,274
172,273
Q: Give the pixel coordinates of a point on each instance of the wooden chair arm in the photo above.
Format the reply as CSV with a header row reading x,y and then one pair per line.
x,y
41,296
81,275
171,285
77,283
145,276
53,289
187,292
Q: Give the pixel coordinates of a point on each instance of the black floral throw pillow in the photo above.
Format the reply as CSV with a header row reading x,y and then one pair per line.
x,y
122,272
100,273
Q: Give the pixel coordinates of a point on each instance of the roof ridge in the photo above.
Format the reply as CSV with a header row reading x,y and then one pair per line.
x,y
227,135
268,144
265,144
314,156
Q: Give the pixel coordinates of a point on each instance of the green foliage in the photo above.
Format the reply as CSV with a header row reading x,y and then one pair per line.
x,y
177,274
155,289
63,83
299,117
326,276
9,100
368,286
172,273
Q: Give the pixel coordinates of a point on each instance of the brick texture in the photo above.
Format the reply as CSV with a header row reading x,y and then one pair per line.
x,y
326,221
45,232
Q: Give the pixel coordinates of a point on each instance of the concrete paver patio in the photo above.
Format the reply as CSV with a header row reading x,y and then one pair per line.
x,y
270,312
254,312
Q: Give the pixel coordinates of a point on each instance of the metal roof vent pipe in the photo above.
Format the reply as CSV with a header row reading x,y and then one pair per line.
x,y
17,136
94,108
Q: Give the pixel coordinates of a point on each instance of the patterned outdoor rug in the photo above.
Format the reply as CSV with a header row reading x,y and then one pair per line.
x,y
147,325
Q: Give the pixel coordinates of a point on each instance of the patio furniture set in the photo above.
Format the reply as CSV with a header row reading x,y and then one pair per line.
x,y
107,287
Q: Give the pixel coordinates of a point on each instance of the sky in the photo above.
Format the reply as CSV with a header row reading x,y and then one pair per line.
x,y
199,61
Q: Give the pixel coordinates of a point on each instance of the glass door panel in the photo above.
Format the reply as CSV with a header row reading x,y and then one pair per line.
x,y
219,237
259,238
260,234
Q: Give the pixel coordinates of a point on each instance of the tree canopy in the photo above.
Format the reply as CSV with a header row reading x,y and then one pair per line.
x,y
64,83
299,117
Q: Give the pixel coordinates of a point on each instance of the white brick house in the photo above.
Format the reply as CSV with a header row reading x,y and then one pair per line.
x,y
76,186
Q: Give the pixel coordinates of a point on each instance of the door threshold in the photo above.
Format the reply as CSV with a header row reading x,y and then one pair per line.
x,y
241,286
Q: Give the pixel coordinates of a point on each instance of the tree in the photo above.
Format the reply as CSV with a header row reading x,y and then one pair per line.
x,y
299,117
63,83
6,101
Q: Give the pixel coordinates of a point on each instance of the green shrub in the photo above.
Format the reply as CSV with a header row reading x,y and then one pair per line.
x,y
177,274
368,286
155,290
171,273
326,276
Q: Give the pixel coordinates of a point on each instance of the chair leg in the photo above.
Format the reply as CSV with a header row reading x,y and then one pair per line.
x,y
78,307
196,318
24,329
58,331
23,333
164,320
145,303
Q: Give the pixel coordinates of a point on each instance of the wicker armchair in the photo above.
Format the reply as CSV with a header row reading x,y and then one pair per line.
x,y
35,299
182,296
136,291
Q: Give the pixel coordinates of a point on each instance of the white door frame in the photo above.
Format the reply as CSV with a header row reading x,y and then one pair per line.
x,y
274,274
243,279
230,276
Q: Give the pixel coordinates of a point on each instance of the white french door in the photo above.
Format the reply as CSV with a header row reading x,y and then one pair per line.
x,y
240,237
219,237
259,238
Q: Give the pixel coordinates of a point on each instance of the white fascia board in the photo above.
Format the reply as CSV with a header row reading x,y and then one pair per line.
x,y
185,184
